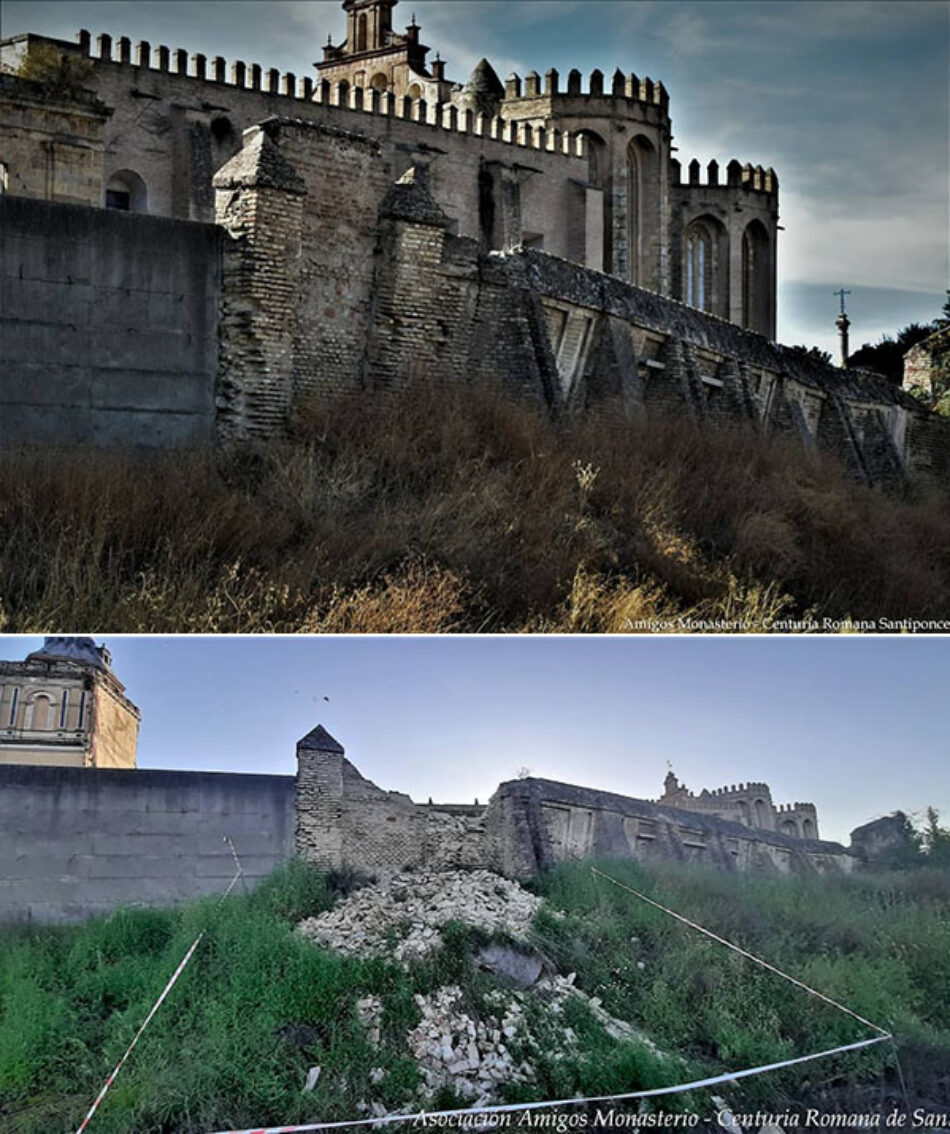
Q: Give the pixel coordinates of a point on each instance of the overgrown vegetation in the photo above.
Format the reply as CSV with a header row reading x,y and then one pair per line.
x,y
258,1006
59,73
444,509
886,356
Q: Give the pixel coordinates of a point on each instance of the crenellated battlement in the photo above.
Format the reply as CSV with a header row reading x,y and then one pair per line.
x,y
738,176
252,77
741,789
622,87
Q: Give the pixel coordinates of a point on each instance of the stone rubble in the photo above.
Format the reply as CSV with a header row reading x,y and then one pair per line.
x,y
470,1054
415,907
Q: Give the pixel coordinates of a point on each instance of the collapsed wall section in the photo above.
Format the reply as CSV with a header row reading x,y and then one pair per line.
x,y
345,820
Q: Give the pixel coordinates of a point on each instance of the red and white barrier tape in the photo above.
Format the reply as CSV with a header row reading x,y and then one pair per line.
x,y
158,1003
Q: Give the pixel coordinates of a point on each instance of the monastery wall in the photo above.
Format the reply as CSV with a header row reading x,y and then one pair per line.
x,y
108,326
79,841
344,820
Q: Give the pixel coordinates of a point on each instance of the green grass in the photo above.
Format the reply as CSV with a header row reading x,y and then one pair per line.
x,y
881,946
258,1005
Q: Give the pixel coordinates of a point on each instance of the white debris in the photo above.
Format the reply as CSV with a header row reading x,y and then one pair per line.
x,y
413,908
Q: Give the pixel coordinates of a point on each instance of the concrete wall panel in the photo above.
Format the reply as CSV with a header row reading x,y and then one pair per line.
x,y
108,326
79,841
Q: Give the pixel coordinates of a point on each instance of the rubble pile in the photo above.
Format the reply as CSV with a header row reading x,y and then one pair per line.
x,y
413,908
456,1050
472,1052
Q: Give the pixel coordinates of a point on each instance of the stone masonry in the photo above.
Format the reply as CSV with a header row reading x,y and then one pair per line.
x,y
344,820
380,223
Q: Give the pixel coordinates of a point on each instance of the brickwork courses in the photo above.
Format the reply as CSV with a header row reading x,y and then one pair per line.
x,y
379,223
81,840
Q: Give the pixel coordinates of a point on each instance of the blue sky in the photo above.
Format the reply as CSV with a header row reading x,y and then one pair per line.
x,y
847,99
856,725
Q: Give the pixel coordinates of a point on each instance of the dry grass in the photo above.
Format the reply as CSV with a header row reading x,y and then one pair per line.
x,y
457,510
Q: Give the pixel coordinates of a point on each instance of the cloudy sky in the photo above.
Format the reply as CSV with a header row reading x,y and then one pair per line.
x,y
847,99
856,725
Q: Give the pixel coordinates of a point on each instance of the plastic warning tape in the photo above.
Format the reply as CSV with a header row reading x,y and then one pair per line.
x,y
736,948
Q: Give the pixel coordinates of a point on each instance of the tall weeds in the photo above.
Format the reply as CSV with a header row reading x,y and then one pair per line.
x,y
448,509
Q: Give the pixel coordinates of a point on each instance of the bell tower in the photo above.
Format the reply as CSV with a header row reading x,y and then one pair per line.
x,y
369,24
376,57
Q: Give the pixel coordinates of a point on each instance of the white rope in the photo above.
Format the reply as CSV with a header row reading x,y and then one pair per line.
x,y
508,1108
165,991
728,1077
743,952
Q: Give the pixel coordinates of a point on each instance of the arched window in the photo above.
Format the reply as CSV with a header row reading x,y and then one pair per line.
x,y
42,712
705,283
756,278
414,92
761,813
808,829
361,35
698,265
380,83
789,828
126,191
744,816
643,213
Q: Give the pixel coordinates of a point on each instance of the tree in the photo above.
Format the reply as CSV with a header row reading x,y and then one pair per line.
x,y
812,352
886,356
936,840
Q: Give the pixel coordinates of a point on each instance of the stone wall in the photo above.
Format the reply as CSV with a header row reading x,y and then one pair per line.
x,y
79,841
108,326
51,147
538,823
345,820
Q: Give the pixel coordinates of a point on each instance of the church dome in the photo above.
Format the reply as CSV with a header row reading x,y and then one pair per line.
x,y
83,650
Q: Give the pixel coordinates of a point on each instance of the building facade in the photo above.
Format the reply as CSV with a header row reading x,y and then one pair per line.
x,y
162,123
749,804
189,252
64,706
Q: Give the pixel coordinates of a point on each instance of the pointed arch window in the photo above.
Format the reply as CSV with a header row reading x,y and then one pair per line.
x,y
699,267
756,278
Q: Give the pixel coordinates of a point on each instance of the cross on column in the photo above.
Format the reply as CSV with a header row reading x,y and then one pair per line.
x,y
841,294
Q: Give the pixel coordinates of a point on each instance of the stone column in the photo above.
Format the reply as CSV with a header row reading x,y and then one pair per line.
x,y
843,323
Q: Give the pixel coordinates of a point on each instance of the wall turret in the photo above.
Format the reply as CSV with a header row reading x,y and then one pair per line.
x,y
625,121
724,237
